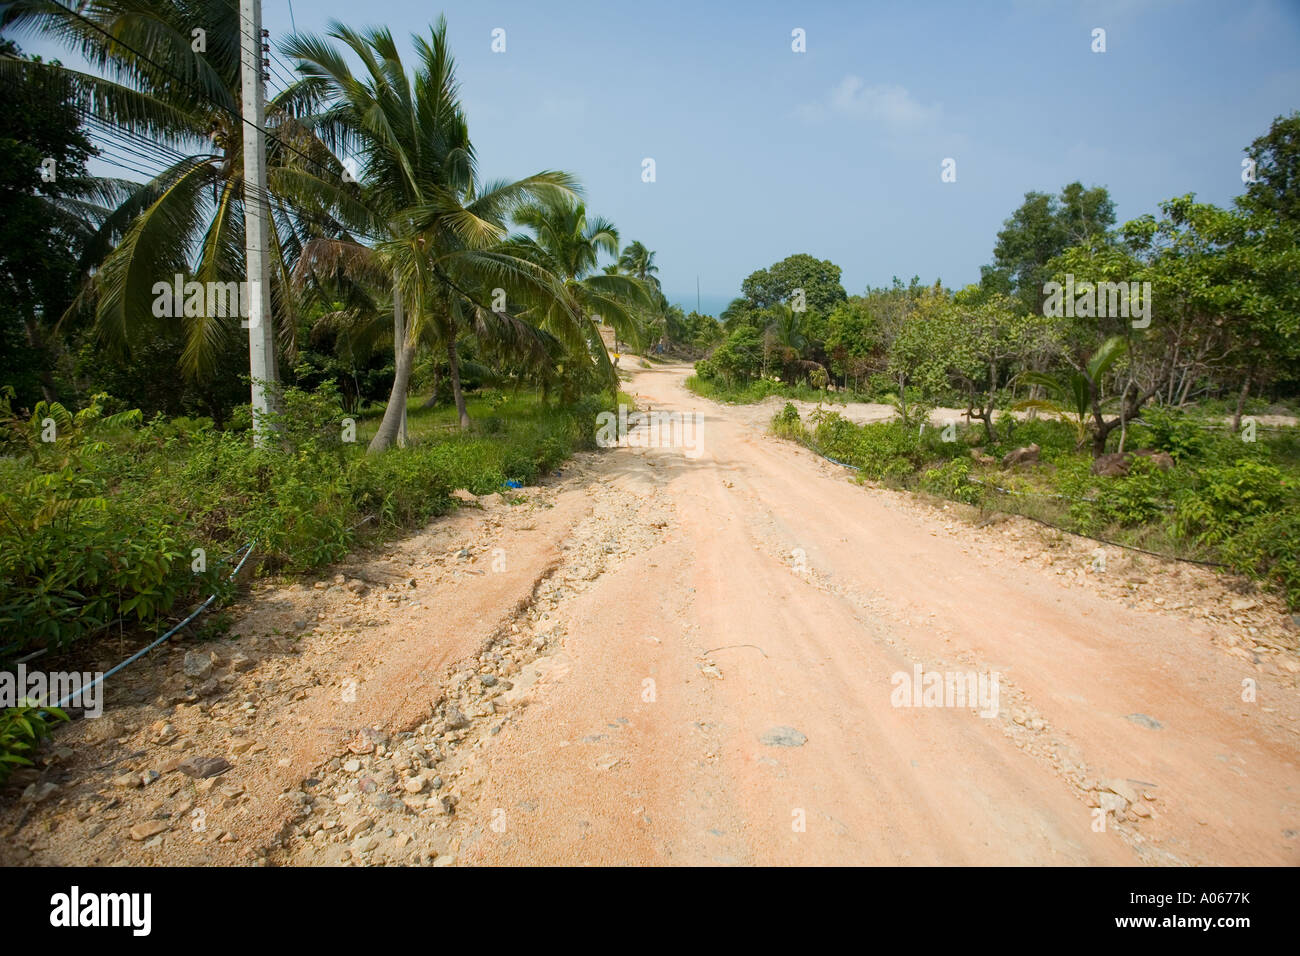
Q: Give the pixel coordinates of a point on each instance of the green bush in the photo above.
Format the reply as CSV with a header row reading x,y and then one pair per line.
x,y
1243,510
22,728
1228,497
1269,548
951,480
1176,433
882,451
787,424
99,526
1053,437
738,359
1140,497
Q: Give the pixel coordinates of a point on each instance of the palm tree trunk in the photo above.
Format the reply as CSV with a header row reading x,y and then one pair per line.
x,y
393,426
395,413
454,361
432,400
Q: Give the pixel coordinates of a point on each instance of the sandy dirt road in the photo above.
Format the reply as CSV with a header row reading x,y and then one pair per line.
x,y
672,658
784,596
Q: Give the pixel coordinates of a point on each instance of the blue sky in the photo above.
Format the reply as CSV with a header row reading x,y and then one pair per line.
x,y
761,152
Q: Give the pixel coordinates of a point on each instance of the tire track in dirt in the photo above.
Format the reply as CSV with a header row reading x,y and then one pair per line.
x,y
690,660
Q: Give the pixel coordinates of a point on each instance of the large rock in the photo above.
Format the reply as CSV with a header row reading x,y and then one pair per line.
x,y
197,663
1161,459
1021,456
783,737
1116,464
201,767
1112,465
147,829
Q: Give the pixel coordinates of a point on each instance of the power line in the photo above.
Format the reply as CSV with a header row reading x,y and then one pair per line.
x,y
167,72
270,60
273,202
122,154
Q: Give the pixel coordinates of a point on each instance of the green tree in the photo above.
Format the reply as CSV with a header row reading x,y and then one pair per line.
x,y
852,340
443,232
738,359
1228,291
784,341
637,260
567,243
1276,154
981,342
1040,229
909,317
46,222
819,280
187,219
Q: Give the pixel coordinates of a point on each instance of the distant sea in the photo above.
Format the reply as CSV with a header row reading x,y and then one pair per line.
x,y
709,304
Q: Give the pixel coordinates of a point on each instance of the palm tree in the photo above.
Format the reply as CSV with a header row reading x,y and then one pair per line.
x,y
441,231
188,218
637,260
737,310
1077,394
566,242
784,336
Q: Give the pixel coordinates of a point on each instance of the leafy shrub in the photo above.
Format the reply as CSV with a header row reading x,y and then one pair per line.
x,y
738,358
1053,437
882,450
1175,433
951,480
1229,497
401,488
309,422
75,554
22,728
1269,548
1137,498
99,526
787,424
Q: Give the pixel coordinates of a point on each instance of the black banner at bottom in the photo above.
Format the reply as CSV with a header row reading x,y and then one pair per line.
x,y
332,906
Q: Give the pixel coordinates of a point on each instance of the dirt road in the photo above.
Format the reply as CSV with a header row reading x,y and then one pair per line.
x,y
665,658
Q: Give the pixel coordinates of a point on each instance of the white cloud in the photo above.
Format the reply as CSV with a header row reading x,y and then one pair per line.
x,y
888,104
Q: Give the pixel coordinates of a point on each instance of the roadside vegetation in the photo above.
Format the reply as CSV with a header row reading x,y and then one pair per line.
x,y
1196,492
121,523
1115,381
433,331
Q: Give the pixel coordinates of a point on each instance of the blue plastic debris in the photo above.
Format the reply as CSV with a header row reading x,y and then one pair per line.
x,y
513,484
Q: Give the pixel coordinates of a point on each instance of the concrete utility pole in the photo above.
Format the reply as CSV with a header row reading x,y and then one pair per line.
x,y
261,338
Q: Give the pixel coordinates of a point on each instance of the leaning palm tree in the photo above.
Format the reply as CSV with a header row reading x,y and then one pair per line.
x,y
440,232
636,260
566,242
